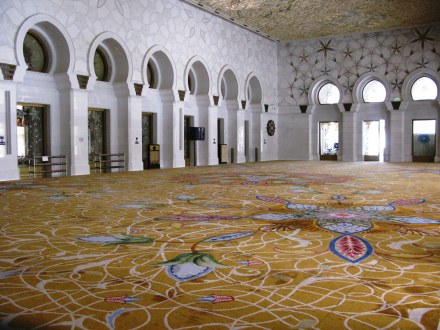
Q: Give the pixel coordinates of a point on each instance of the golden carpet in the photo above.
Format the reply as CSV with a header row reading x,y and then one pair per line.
x,y
276,245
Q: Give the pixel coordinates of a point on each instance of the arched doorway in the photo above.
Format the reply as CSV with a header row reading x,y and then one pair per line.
x,y
199,147
44,53
108,116
252,125
158,148
228,113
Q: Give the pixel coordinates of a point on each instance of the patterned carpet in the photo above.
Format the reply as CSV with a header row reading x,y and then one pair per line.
x,y
276,245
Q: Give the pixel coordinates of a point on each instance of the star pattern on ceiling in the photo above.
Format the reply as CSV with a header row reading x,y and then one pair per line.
x,y
293,20
391,55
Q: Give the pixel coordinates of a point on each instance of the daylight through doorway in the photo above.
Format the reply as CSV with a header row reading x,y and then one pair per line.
x,y
423,140
328,140
373,140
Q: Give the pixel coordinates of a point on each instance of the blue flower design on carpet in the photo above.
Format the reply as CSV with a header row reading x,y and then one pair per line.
x,y
189,266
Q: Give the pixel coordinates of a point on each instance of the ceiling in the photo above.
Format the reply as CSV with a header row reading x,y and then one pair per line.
x,y
290,20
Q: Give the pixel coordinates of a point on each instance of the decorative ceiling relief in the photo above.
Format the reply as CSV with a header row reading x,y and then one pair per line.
x,y
392,54
287,20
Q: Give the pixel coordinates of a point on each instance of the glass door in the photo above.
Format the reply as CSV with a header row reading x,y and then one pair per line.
x,y
371,140
188,147
423,146
222,149
328,140
97,134
31,134
147,136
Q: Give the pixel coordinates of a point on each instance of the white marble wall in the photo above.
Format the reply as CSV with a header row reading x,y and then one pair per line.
x,y
396,58
185,31
286,73
138,27
8,130
392,54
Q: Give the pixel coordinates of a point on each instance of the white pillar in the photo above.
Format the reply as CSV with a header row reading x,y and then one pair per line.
x,y
134,123
173,127
232,107
256,131
212,135
313,125
8,131
349,135
78,155
241,158
397,133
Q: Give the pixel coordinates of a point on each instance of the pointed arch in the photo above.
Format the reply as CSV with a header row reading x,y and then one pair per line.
x,y
316,86
119,57
56,39
253,89
413,77
227,83
164,66
364,80
198,70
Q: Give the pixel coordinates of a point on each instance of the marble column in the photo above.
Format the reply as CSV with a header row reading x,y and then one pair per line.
x,y
212,135
8,131
349,135
396,139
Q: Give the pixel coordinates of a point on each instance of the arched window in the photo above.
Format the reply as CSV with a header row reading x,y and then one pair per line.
x,y
152,74
254,92
374,91
229,85
328,94
35,53
191,82
198,79
101,66
424,88
223,88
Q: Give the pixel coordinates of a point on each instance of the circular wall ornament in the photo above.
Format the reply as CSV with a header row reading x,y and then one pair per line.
x,y
270,127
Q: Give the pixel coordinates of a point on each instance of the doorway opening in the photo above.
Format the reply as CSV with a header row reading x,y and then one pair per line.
x,y
328,140
32,134
220,131
147,136
373,140
97,123
423,142
188,146
222,150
